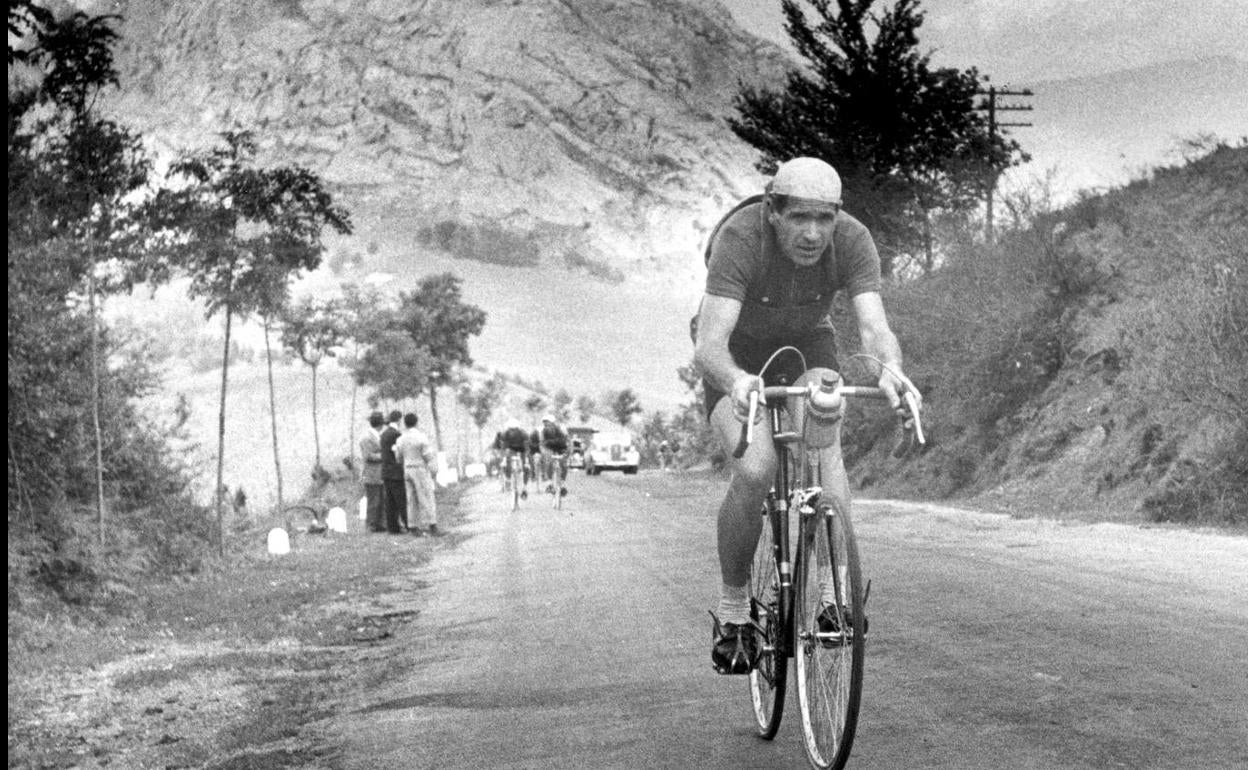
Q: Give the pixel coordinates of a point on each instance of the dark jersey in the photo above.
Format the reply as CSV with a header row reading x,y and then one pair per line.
x,y
779,298
554,438
514,439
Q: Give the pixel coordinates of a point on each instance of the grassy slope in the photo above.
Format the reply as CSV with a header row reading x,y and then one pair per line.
x,y
1091,366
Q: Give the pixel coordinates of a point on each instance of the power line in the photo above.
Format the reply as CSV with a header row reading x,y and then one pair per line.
x,y
992,108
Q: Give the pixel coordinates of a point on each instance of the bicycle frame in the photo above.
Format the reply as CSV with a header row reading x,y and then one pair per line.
x,y
788,594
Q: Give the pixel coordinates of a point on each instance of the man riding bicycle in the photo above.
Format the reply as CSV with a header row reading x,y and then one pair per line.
x,y
774,265
555,450
514,441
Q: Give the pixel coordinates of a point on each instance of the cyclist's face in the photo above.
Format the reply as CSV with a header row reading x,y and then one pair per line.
x,y
804,229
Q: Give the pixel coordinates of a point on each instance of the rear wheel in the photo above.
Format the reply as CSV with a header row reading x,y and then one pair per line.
x,y
517,483
768,679
829,660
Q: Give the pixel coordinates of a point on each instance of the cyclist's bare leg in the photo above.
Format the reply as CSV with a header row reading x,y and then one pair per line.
x,y
739,521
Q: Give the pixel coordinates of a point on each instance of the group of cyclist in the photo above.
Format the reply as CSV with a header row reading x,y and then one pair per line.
x,y
541,453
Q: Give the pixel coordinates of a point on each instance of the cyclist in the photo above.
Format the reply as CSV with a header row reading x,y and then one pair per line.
x,y
514,441
555,448
774,265
535,454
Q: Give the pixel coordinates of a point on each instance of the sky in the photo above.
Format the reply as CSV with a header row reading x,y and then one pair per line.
x,y
1027,41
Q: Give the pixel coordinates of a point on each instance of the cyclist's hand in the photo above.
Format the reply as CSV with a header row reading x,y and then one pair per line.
x,y
740,395
895,385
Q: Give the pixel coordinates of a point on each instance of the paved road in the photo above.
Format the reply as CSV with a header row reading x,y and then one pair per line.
x,y
580,639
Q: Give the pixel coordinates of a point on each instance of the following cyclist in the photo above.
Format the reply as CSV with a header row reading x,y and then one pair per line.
x,y
774,265
513,441
555,454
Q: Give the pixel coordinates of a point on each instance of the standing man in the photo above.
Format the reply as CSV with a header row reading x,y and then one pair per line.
x,y
370,450
392,475
419,463
774,266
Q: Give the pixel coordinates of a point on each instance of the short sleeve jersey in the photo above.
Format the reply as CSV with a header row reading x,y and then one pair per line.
x,y
777,295
554,438
515,439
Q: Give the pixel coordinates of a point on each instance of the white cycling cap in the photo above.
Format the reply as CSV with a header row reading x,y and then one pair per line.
x,y
512,423
548,418
808,178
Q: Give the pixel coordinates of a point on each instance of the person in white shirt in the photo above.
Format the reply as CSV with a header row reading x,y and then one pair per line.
x,y
414,451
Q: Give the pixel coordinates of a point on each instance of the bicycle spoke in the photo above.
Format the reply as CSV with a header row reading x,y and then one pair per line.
x,y
768,679
829,663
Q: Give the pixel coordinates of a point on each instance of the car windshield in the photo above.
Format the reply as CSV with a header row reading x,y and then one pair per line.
x,y
612,439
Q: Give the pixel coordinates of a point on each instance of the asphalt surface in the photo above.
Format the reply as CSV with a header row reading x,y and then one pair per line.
x,y
580,639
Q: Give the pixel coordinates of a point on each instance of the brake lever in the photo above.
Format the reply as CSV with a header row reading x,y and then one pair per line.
x,y
747,430
913,436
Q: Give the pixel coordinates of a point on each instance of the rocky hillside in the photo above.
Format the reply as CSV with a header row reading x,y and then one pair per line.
x,y
1094,363
589,133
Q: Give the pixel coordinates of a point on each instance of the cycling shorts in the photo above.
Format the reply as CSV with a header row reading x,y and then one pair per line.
x,y
818,346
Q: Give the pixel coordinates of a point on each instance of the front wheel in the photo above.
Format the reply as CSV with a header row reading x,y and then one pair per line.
x,y
770,674
829,653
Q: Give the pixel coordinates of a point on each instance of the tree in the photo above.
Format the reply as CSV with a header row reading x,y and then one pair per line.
x,y
395,366
535,404
311,330
585,407
905,137
239,232
481,402
70,170
623,405
438,320
561,404
269,312
361,309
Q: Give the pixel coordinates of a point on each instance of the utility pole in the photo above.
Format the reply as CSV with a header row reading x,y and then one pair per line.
x,y
993,108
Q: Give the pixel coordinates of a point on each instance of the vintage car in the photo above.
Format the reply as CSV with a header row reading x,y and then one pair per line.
x,y
612,451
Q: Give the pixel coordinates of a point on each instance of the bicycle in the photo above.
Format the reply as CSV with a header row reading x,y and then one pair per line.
x,y
813,611
517,478
556,464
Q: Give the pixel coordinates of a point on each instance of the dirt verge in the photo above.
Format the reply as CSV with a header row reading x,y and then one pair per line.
x,y
224,670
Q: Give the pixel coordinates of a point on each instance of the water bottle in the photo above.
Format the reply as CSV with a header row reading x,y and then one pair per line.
x,y
825,401
823,411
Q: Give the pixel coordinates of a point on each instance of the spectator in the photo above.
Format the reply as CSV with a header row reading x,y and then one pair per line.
x,y
393,494
665,455
370,450
419,464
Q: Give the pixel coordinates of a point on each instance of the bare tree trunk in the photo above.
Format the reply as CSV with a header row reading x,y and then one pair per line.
x,y
433,410
355,393
277,459
316,433
95,397
220,501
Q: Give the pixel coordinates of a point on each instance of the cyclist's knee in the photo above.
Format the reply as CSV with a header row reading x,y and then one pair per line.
x,y
754,472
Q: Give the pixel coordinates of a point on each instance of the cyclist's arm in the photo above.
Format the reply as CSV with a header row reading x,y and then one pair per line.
x,y
878,340
717,319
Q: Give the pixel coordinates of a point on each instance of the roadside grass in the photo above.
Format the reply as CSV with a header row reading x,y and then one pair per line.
x,y
227,665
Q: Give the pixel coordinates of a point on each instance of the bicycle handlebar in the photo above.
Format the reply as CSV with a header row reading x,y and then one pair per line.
x,y
806,391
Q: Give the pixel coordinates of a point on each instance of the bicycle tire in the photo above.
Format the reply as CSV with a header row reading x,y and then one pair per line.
x,y
829,667
769,679
517,483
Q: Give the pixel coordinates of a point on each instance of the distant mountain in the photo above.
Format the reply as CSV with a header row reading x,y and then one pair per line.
x,y
1101,130
564,158
585,133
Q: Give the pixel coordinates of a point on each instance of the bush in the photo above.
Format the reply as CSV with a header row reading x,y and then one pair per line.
x,y
1206,493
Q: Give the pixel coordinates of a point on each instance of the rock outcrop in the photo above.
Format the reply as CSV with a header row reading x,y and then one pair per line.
x,y
590,130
